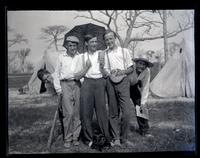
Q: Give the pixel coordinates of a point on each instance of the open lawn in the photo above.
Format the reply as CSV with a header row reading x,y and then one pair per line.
x,y
172,123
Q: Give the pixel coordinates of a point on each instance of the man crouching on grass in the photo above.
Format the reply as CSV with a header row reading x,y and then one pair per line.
x,y
47,81
139,94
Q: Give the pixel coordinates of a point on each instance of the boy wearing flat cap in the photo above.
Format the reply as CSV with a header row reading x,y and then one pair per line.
x,y
139,93
67,75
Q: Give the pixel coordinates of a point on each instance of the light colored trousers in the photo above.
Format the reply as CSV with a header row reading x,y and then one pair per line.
x,y
71,110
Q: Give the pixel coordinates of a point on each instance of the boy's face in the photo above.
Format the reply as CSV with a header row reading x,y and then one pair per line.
x,y
141,66
110,40
72,48
47,78
92,44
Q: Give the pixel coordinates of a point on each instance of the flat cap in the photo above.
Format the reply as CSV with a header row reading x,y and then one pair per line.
x,y
72,39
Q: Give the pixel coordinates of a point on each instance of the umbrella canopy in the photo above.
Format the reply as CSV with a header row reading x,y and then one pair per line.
x,y
81,30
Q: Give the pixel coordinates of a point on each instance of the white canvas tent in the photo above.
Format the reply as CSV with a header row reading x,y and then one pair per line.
x,y
177,77
48,61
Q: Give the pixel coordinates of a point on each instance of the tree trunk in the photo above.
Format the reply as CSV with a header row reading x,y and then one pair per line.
x,y
165,35
22,64
56,44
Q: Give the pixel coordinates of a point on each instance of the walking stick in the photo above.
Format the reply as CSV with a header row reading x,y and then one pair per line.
x,y
54,123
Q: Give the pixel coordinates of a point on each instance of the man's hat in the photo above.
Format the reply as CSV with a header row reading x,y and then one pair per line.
x,y
145,59
70,39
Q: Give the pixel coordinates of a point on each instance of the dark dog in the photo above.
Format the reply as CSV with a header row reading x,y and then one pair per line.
x,y
100,142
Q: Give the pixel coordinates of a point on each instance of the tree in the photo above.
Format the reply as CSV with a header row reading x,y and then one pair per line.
x,y
132,46
23,53
16,57
11,57
29,67
18,38
164,15
147,22
164,19
52,34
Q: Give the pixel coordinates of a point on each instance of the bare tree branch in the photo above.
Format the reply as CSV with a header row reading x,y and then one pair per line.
x,y
115,22
23,53
104,13
110,18
153,22
160,14
92,17
52,33
142,25
169,35
135,19
132,19
126,19
18,38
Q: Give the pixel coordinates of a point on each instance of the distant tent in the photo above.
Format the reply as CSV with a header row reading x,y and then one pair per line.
x,y
177,77
155,69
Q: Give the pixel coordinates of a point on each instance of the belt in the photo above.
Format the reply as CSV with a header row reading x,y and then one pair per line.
x,y
93,78
67,80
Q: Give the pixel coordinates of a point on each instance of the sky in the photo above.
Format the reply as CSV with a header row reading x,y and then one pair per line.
x,y
29,23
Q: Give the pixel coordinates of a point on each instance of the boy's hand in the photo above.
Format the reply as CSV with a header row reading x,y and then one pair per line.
x,y
59,95
114,72
120,72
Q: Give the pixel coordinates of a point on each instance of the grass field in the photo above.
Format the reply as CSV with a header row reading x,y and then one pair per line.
x,y
172,123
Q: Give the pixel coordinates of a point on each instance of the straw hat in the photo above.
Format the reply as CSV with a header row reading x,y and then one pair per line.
x,y
145,59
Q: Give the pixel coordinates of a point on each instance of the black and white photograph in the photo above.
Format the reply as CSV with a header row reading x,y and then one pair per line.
x,y
101,81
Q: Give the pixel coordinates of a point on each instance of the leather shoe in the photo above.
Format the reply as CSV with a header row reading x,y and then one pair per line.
x,y
148,135
67,144
116,143
76,143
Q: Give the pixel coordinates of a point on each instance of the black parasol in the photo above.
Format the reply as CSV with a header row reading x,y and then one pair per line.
x,y
81,30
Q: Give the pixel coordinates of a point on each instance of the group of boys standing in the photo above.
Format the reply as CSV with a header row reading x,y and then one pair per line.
x,y
84,80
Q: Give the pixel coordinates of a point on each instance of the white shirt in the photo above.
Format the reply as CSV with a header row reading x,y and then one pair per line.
x,y
145,79
93,71
116,59
66,68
